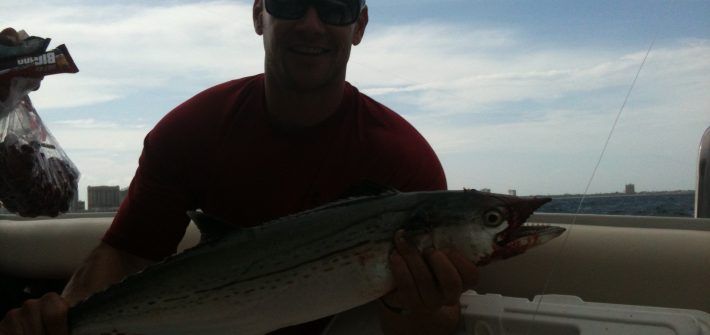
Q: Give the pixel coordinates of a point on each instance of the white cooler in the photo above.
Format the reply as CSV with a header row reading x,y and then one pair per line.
x,y
493,314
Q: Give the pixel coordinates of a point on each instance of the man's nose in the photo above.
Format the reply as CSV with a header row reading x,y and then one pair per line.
x,y
311,19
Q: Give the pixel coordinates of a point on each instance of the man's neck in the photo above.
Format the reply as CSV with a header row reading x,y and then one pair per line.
x,y
301,109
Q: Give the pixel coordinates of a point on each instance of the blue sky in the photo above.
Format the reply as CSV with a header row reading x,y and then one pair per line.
x,y
511,94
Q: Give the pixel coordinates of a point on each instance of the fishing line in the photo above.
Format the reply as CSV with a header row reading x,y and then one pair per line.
x,y
556,262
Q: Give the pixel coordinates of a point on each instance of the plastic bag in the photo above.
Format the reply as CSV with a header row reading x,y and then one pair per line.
x,y
37,178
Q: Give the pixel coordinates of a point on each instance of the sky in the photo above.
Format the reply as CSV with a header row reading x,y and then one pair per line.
x,y
510,94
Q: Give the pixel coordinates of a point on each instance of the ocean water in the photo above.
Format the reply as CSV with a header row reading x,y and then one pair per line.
x,y
643,204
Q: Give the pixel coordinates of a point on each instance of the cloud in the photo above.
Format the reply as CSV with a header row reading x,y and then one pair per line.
x,y
504,115
495,103
67,91
105,152
431,76
125,48
96,136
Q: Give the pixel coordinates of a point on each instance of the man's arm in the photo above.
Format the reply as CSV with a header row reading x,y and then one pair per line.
x,y
428,288
104,266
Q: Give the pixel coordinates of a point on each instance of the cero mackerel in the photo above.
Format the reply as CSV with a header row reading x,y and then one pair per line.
x,y
303,267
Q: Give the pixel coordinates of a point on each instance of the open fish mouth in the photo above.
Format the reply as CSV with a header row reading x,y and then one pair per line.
x,y
530,235
520,210
521,236
521,239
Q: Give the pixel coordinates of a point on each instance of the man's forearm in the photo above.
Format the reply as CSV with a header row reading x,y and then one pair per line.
x,y
103,267
442,322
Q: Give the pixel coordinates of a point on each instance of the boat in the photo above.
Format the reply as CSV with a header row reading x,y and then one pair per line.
x,y
617,272
608,274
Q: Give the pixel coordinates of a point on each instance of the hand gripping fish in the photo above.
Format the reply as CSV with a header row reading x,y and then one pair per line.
x,y
305,266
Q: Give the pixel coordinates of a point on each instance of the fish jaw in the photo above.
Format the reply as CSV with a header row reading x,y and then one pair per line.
x,y
526,237
522,208
483,226
518,237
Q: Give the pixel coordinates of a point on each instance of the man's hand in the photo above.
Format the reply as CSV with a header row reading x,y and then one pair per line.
x,y
47,315
428,287
44,316
105,265
8,37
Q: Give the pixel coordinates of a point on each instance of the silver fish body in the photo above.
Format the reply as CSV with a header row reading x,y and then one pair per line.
x,y
303,267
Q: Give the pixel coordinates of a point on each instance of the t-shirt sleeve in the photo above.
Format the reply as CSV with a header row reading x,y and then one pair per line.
x,y
417,167
152,218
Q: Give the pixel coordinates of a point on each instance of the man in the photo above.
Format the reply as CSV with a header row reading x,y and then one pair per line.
x,y
261,147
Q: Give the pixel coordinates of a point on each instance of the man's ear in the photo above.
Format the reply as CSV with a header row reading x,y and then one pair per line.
x,y
360,26
258,17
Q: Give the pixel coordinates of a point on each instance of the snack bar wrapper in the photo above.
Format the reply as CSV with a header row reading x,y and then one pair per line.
x,y
50,62
37,178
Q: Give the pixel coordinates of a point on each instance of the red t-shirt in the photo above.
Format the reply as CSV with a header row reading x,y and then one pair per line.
x,y
218,152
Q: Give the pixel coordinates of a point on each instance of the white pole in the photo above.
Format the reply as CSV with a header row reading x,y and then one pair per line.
x,y
702,190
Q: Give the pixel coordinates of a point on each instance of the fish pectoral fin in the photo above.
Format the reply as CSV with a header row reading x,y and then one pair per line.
x,y
210,227
418,222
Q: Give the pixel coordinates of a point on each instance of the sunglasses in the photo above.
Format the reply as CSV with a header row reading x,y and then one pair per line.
x,y
333,12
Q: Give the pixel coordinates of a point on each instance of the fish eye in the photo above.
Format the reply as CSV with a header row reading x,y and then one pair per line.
x,y
493,218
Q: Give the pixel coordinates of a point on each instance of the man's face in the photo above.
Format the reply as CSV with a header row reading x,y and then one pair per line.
x,y
306,53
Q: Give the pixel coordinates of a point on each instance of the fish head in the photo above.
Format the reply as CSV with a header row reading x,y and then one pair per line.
x,y
487,226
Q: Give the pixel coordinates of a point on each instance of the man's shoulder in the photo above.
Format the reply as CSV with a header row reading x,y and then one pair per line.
x,y
389,132
398,146
376,114
206,113
230,88
217,101
382,121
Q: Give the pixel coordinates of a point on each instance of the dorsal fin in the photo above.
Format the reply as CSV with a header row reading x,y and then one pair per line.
x,y
211,228
367,188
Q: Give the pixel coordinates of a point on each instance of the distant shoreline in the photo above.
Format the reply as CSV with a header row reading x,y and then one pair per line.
x,y
617,194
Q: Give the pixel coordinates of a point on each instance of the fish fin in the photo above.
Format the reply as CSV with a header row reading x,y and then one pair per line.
x,y
418,222
211,228
366,188
364,191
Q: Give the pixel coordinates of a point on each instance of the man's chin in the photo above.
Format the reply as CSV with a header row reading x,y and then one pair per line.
x,y
312,81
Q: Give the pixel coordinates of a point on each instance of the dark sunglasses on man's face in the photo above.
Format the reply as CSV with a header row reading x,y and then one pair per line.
x,y
333,12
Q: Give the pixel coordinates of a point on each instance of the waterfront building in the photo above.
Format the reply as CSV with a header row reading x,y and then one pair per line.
x,y
103,198
630,189
76,205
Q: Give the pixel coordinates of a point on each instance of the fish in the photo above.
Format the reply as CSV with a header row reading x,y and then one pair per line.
x,y
304,266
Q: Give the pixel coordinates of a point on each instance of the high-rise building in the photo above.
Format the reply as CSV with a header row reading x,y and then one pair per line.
x,y
630,189
103,198
75,205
